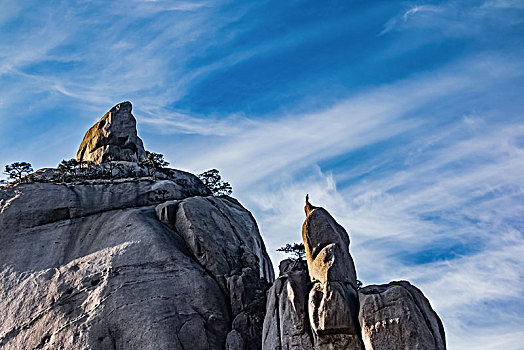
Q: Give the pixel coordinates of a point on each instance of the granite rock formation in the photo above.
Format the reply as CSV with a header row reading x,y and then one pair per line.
x,y
333,299
285,324
336,314
112,138
110,255
398,313
128,261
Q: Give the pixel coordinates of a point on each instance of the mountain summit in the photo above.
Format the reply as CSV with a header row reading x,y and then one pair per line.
x,y
112,138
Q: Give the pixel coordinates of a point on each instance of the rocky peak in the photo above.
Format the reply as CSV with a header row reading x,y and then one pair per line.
x,y
94,258
112,138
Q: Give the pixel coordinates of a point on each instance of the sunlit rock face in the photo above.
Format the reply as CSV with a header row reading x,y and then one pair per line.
x,y
395,316
112,138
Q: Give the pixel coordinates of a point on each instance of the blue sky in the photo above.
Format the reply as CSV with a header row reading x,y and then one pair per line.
x,y
405,119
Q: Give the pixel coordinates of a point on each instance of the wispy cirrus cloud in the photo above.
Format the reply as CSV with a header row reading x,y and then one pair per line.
x,y
397,21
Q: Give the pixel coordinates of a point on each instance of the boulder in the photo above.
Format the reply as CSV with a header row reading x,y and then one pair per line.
x,y
221,233
224,238
112,138
398,316
332,308
234,341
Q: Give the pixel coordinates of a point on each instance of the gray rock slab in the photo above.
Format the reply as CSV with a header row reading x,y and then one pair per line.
x,y
114,280
28,205
286,323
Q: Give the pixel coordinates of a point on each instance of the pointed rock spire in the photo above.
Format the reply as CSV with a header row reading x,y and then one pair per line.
x,y
309,207
112,138
333,300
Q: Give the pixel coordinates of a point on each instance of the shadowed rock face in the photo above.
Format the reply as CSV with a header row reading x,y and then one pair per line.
x,y
286,323
112,138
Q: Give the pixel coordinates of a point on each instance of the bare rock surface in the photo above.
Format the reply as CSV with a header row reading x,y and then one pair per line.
x,y
327,311
114,280
224,238
233,241
333,300
398,316
327,253
286,323
112,255
90,266
113,137
28,205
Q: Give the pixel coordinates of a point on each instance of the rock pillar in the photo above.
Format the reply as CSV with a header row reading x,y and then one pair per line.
x,y
333,300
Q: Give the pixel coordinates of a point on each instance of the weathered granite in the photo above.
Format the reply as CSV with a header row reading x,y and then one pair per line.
x,y
27,205
222,234
327,253
112,280
108,255
333,300
224,238
91,266
337,315
234,341
398,316
286,323
112,138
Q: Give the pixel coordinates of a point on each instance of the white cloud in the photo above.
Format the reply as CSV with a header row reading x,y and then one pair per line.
x,y
418,9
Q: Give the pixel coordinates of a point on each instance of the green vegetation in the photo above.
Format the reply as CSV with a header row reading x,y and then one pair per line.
x,y
297,250
153,161
214,183
18,170
68,167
